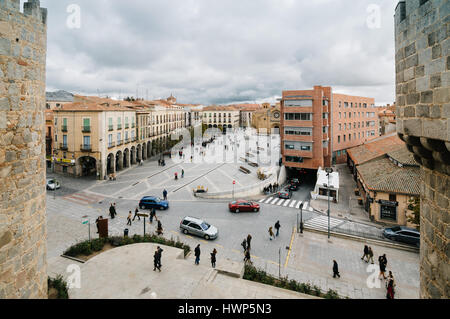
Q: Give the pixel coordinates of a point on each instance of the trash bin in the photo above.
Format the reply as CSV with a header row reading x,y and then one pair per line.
x,y
125,232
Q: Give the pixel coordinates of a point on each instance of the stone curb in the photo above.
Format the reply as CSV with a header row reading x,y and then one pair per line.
x,y
73,258
367,240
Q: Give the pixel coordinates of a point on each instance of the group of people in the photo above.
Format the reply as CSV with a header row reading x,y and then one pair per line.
x,y
272,188
277,227
197,253
157,259
161,162
131,218
246,244
382,260
182,174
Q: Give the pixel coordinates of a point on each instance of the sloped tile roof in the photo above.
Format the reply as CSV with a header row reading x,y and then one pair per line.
x,y
403,156
384,175
375,148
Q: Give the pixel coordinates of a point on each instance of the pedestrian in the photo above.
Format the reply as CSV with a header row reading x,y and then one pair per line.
x,y
249,240
176,176
129,218
270,233
197,254
247,257
159,229
336,269
277,227
382,265
182,173
270,188
244,244
136,211
390,287
213,258
159,251
96,222
366,253
370,255
112,211
155,261
165,194
152,214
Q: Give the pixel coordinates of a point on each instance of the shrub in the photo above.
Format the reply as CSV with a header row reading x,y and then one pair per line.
x,y
97,244
60,285
331,294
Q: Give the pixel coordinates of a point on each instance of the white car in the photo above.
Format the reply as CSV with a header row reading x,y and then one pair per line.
x,y
53,184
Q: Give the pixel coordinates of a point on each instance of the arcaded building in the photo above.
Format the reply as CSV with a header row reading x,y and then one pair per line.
x,y
423,122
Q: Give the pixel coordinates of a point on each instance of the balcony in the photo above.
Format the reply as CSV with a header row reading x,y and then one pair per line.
x,y
86,147
119,143
127,141
119,126
112,144
86,129
63,147
64,128
111,128
127,126
133,125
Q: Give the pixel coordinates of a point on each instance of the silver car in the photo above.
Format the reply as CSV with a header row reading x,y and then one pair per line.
x,y
53,184
198,227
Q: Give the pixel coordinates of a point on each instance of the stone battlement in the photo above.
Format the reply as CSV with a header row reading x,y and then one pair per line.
x,y
31,8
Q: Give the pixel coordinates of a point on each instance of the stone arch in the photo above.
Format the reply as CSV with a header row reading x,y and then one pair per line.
x,y
138,152
144,151
149,149
126,158
119,161
87,165
110,164
133,155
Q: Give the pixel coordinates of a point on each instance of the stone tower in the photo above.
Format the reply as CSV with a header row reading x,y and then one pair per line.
x,y
422,29
23,42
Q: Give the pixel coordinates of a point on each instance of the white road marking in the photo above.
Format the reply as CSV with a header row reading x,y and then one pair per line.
x,y
305,205
298,205
275,200
280,202
293,203
268,200
286,203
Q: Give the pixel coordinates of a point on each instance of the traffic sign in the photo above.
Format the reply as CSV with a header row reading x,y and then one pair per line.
x,y
234,182
85,222
143,215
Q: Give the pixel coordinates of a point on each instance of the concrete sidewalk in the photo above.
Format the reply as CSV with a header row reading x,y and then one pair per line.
x,y
127,273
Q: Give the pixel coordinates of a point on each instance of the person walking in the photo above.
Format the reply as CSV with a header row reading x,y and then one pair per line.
x,y
159,229
159,251
277,227
129,218
165,194
155,261
197,254
249,240
152,214
366,253
244,244
182,173
270,233
136,211
96,222
336,269
370,255
390,286
382,265
213,258
112,211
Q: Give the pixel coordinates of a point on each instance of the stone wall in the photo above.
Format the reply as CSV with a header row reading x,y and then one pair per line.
x,y
422,43
22,150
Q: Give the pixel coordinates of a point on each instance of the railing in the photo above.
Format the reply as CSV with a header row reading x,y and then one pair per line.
x,y
133,125
86,147
64,128
119,126
86,129
112,144
119,143
63,147
127,126
127,140
111,128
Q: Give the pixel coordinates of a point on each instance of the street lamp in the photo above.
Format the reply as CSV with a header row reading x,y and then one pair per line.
x,y
301,218
329,171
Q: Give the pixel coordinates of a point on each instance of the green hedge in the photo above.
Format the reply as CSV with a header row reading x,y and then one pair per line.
x,y
60,285
87,248
258,275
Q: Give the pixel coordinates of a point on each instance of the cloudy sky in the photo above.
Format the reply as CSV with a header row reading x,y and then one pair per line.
x,y
219,52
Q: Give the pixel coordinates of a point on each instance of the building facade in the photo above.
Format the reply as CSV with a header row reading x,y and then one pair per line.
x,y
225,118
423,122
267,120
23,233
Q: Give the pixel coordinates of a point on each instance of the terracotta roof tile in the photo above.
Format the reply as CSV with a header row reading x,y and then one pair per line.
x,y
403,156
375,148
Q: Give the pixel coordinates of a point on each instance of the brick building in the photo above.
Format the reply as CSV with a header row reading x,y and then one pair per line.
x,y
319,126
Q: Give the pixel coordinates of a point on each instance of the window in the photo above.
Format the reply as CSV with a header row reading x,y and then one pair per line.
x,y
325,130
345,115
87,125
119,123
56,121
290,147
344,137
325,144
65,140
56,138
325,116
345,104
349,115
86,141
338,153
119,138
297,116
351,105
110,124
109,140
340,127
305,148
340,103
64,125
126,122
344,152
339,138
298,103
340,115
349,137
305,131
294,159
345,126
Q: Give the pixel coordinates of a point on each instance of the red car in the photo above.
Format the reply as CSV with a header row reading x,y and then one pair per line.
x,y
243,206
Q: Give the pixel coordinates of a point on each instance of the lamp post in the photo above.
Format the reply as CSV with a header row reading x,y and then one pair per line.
x,y
301,218
329,171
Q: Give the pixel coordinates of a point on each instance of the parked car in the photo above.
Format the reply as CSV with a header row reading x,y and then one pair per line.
x,y
198,227
243,206
286,194
149,202
53,184
403,234
293,187
295,181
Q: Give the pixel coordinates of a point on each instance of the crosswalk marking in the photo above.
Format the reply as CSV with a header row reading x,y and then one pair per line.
x,y
280,202
293,203
310,209
287,203
298,205
270,198
275,200
321,222
261,200
83,198
305,205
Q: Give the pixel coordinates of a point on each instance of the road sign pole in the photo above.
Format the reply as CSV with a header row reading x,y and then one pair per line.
x,y
144,226
89,230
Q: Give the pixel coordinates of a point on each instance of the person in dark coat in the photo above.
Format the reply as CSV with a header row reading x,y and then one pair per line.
x,y
136,211
159,251
277,227
112,211
96,222
213,258
336,269
159,229
390,289
165,194
197,254
366,253
247,257
152,214
155,261
249,239
382,265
